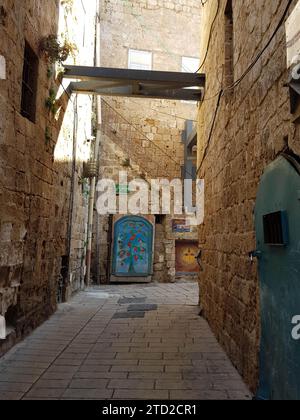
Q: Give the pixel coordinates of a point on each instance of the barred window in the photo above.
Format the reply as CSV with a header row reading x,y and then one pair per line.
x,y
29,83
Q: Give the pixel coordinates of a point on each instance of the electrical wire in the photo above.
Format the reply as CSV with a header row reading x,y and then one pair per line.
x,y
247,71
145,136
210,35
211,131
240,79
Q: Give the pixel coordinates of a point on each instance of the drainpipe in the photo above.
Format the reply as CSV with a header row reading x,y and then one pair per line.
x,y
95,157
72,199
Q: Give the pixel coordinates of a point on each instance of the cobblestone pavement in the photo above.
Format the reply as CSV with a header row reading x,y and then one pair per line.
x,y
123,342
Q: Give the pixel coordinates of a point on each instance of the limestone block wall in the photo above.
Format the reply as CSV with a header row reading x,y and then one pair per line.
x,y
170,30
253,125
73,147
27,211
36,171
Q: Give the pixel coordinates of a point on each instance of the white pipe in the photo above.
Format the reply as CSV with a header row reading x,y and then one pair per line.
x,y
2,328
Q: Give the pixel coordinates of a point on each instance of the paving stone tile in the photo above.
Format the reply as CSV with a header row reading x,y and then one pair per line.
x,y
21,370
45,393
131,384
125,301
94,368
10,395
88,383
62,369
198,395
128,315
109,362
19,378
14,387
52,383
139,356
142,307
155,375
204,384
100,375
229,385
137,368
140,394
87,394
239,395
57,376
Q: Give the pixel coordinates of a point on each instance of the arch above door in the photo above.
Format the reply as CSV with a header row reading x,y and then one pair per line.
x,y
132,249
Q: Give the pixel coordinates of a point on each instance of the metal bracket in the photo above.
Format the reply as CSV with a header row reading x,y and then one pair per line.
x,y
255,254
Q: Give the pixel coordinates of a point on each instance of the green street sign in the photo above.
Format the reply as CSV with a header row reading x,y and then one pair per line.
x,y
122,189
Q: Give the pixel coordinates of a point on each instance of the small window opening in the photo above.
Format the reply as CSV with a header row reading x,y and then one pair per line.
x,y
29,83
276,228
11,317
229,45
159,219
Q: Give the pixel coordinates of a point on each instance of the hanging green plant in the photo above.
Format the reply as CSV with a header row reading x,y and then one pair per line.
x,y
51,103
48,135
50,73
68,5
54,51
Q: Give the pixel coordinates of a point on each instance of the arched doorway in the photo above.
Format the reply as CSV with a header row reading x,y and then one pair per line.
x,y
277,221
132,249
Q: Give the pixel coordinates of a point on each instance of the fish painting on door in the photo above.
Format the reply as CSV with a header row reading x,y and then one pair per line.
x,y
133,243
186,257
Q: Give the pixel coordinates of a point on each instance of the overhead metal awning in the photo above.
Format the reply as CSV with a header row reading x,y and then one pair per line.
x,y
136,83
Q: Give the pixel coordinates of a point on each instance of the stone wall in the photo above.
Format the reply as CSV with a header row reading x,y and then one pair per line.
x,y
36,173
26,161
253,125
170,30
73,147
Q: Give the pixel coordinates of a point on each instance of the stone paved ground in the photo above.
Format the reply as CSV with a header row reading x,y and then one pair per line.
x,y
87,350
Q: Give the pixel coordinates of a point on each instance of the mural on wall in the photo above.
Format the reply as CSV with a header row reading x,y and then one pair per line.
x,y
133,241
186,253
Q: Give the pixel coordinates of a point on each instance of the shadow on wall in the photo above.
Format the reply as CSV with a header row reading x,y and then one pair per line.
x,y
43,223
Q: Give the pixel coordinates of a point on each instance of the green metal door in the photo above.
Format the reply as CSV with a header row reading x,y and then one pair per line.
x,y
277,220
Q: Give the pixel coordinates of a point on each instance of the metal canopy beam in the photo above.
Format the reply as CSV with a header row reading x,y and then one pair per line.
x,y
137,91
146,76
136,83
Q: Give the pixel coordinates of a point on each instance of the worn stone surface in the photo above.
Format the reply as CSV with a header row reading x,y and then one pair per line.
x,y
253,125
83,352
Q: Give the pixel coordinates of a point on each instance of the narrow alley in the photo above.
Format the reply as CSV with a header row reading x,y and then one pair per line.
x,y
149,200
123,342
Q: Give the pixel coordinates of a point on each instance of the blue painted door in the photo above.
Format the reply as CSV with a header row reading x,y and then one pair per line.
x,y
277,219
133,244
